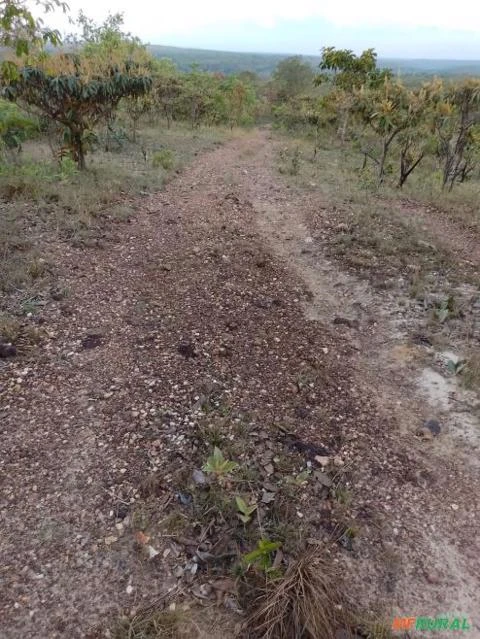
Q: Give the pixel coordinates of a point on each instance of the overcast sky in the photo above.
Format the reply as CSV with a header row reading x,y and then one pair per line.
x,y
408,28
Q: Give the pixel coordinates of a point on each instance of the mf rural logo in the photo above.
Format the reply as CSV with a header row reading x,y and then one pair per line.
x,y
431,623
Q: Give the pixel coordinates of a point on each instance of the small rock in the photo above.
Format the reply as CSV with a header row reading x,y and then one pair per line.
x,y
199,477
433,426
323,479
346,322
187,349
425,434
455,507
151,551
185,499
129,589
267,498
433,577
269,469
301,412
92,340
323,461
110,540
202,591
178,572
7,350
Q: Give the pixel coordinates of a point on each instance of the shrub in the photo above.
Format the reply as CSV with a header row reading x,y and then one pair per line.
x,y
163,158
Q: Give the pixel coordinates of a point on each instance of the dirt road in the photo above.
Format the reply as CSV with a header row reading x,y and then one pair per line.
x,y
217,284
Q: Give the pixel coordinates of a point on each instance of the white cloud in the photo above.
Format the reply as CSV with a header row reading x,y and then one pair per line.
x,y
160,19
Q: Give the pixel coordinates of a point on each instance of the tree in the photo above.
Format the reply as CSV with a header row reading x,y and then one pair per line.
x,y
15,126
456,120
239,101
391,110
347,73
292,77
167,88
20,30
77,92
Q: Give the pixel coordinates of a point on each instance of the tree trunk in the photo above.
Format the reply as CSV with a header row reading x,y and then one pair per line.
x,y
406,170
78,149
381,165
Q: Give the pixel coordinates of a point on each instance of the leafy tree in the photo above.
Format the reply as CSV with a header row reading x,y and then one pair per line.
x,y
387,110
15,126
456,123
20,30
77,92
167,88
239,101
200,99
292,77
346,73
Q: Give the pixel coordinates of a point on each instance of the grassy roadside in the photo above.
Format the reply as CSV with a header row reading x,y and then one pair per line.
x,y
417,244
46,203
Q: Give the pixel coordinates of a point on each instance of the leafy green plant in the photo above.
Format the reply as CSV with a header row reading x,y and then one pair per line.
x,y
15,127
163,158
295,167
218,465
68,169
262,555
300,479
457,367
445,309
77,92
245,510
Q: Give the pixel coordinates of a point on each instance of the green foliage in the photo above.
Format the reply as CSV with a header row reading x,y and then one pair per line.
x,y
163,158
20,31
262,556
245,511
217,464
301,479
446,309
15,126
348,71
292,77
75,99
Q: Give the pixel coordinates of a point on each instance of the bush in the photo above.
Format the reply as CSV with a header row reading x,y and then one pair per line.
x,y
15,127
163,158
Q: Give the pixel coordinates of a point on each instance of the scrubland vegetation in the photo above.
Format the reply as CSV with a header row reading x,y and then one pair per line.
x,y
90,127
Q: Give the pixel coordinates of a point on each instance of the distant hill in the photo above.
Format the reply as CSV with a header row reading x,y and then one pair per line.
x,y
264,63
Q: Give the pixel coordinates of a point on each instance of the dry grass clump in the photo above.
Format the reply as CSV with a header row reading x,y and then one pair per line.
x,y
153,623
306,604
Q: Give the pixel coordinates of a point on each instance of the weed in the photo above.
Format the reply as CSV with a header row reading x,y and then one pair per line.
x,y
343,495
471,372
307,602
10,329
446,309
218,465
262,556
212,433
301,479
245,510
175,523
457,367
163,158
37,268
152,624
